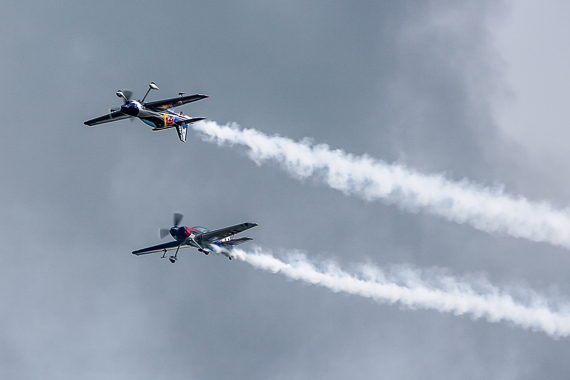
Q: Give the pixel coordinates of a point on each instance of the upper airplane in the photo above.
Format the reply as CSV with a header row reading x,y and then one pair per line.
x,y
219,241
157,114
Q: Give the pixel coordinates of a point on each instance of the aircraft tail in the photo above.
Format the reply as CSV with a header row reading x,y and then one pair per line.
x,y
182,130
193,120
232,242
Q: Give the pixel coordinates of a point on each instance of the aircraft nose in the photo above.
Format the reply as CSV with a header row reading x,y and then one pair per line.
x,y
130,109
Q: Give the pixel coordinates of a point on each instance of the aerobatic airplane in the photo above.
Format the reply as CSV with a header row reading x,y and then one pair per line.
x,y
219,241
157,114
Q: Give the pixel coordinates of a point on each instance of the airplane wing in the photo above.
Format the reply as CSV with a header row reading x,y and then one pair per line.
x,y
159,248
213,236
175,102
113,116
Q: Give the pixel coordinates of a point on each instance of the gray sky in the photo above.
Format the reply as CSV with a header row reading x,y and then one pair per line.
x,y
474,89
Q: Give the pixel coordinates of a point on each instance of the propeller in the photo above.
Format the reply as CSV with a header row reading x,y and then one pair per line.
x,y
126,95
177,218
163,232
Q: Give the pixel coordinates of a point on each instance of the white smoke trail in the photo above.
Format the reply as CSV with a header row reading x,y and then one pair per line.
x,y
487,209
407,287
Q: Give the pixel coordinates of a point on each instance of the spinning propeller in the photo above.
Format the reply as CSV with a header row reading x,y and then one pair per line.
x,y
177,218
127,95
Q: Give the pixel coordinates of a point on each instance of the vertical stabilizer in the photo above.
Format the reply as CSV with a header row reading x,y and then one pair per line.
x,y
182,130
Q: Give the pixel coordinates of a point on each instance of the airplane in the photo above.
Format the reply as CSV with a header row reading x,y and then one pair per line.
x,y
219,241
157,114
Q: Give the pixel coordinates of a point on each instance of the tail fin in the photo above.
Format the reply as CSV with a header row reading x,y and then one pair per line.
x,y
182,130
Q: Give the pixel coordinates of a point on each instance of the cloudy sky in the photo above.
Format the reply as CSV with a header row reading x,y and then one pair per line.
x,y
472,89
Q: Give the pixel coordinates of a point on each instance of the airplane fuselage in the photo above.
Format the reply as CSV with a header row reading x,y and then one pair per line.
x,y
191,237
157,120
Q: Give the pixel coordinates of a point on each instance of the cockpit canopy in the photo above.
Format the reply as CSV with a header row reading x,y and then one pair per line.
x,y
201,229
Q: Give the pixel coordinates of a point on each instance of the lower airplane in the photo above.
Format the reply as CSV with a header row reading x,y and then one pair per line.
x,y
157,114
219,241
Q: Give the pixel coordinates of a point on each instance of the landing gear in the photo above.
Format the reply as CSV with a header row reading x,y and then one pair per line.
x,y
203,251
175,257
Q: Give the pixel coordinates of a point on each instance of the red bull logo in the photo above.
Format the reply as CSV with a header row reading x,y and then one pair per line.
x,y
169,120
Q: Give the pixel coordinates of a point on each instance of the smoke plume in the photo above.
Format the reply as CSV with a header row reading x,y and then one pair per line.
x,y
413,289
487,209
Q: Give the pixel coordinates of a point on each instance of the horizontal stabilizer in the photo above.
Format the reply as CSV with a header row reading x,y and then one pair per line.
x,y
233,242
192,120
